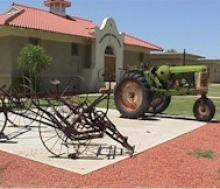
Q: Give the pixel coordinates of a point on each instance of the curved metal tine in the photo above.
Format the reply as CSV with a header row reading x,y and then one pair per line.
x,y
69,102
115,134
42,119
3,87
51,116
54,141
83,84
3,119
40,112
21,106
32,110
56,116
57,142
61,117
77,87
27,80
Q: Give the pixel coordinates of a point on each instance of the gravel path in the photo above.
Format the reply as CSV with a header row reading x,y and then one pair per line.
x,y
168,165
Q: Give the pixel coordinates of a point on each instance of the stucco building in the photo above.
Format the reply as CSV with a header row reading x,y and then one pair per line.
x,y
77,46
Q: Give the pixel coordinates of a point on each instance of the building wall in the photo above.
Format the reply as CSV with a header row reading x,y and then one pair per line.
x,y
214,70
132,59
5,60
64,67
176,61
216,73
106,36
17,43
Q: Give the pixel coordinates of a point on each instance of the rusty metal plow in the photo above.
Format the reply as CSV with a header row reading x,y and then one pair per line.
x,y
66,125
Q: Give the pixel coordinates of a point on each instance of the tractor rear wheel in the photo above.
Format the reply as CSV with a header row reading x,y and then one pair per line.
x,y
159,104
204,109
132,95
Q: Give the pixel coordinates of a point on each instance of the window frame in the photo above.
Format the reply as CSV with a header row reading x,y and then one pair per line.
x,y
74,49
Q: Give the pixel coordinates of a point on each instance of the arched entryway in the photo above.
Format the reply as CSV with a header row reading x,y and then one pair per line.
x,y
110,65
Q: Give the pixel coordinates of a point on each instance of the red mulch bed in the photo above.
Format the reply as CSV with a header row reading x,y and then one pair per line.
x,y
168,165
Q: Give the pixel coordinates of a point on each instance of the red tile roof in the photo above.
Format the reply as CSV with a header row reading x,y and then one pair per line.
x,y
3,18
134,41
33,18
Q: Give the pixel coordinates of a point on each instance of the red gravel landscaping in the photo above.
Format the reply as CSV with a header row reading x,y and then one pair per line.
x,y
168,165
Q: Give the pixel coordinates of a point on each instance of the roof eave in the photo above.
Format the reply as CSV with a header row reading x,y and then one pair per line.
x,y
146,48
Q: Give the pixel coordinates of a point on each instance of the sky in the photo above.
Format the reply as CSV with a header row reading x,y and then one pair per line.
x,y
172,24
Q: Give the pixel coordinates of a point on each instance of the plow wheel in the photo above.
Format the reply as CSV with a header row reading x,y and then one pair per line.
x,y
56,138
204,109
20,100
159,104
59,144
55,141
132,96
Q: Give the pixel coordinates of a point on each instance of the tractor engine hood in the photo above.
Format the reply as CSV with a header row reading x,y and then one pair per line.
x,y
164,72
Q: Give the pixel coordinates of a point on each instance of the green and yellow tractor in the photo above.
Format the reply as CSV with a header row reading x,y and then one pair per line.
x,y
150,91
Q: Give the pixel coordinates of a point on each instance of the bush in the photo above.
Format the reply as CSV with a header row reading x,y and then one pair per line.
x,y
32,60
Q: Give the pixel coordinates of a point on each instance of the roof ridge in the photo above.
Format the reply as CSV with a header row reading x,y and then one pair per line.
x,y
39,9
14,15
80,18
25,6
143,41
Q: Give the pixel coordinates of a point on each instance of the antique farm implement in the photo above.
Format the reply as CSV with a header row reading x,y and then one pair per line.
x,y
67,120
142,91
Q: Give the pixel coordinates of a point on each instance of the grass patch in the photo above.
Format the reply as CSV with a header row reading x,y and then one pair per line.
x,y
179,106
214,90
184,106
203,154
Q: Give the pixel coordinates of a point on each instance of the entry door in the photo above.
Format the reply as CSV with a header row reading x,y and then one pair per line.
x,y
110,69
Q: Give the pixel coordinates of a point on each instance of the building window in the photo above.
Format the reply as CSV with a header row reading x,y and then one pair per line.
x,y
75,49
141,57
34,41
109,51
88,61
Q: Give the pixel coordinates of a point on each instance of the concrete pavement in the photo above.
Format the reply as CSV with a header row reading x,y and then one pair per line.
x,y
144,134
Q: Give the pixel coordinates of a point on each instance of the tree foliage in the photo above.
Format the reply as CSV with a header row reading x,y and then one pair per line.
x,y
33,59
171,51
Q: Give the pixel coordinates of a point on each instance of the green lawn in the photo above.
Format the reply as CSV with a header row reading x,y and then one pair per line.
x,y
184,106
214,90
179,106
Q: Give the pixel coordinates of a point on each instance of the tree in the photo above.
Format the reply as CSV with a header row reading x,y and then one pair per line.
x,y
32,60
171,51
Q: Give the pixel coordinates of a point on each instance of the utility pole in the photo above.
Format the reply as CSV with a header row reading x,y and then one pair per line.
x,y
184,57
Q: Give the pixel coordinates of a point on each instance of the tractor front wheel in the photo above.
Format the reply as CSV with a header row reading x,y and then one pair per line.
x,y
132,96
204,109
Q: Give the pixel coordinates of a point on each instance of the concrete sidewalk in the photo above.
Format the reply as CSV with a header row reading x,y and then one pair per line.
x,y
144,134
